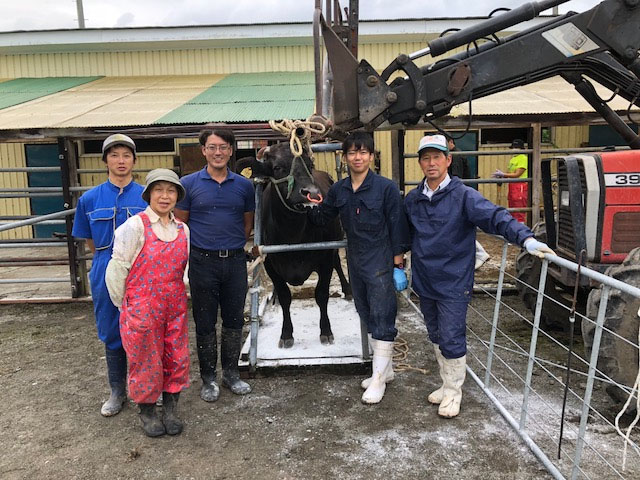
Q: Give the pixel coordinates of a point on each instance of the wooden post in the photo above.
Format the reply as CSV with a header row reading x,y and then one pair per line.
x,y
536,173
77,265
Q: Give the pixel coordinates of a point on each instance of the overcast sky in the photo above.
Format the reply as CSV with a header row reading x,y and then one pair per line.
x,y
54,14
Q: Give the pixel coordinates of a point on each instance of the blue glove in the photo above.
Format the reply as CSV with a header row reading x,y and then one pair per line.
x,y
534,247
399,279
498,174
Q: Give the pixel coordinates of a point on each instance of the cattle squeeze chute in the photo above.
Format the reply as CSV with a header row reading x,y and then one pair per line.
x,y
294,247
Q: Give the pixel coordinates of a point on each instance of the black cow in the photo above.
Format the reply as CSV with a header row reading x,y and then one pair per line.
x,y
293,183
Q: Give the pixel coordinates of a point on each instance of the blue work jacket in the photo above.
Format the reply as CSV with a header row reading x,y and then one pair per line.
x,y
443,235
372,217
103,209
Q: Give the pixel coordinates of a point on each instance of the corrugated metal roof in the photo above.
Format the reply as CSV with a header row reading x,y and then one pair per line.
x,y
21,90
255,97
112,101
250,97
553,95
240,112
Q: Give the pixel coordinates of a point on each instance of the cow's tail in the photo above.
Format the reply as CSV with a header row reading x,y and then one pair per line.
x,y
344,283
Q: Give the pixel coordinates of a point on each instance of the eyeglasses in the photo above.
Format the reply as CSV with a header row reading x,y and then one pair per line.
x,y
220,148
362,151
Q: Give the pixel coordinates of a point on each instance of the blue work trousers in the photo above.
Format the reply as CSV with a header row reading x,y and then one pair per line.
x,y
447,325
374,296
217,282
106,313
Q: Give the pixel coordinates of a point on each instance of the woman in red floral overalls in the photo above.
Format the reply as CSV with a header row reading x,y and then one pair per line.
x,y
145,279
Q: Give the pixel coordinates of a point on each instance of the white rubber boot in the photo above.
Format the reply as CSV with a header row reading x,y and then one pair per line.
x,y
382,359
454,374
436,396
389,374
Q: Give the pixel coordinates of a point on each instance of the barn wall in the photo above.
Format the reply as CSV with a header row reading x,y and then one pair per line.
x,y
187,61
12,156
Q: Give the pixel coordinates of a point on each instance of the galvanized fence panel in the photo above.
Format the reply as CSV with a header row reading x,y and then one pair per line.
x,y
522,368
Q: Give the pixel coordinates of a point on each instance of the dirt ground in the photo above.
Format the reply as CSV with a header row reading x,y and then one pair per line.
x,y
294,425
305,425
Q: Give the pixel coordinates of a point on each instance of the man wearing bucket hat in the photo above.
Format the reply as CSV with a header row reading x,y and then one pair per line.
x,y
443,215
146,280
98,213
518,192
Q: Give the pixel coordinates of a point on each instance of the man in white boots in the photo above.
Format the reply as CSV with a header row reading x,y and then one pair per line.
x,y
370,208
443,216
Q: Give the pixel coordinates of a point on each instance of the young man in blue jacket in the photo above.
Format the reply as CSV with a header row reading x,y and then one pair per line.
x,y
443,216
370,209
99,212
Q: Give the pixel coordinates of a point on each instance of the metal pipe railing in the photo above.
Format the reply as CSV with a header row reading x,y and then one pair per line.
x,y
265,249
34,220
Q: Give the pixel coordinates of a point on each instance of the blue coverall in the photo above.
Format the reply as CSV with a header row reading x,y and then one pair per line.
x,y
377,230
99,212
443,234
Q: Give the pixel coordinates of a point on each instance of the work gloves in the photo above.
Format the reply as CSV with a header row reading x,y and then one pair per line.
x,y
534,247
399,279
498,174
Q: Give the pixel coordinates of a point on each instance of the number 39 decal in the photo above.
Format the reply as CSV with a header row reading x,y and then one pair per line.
x,y
622,179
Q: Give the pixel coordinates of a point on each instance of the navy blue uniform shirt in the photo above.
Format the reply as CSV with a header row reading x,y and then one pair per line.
x,y
216,210
443,233
372,216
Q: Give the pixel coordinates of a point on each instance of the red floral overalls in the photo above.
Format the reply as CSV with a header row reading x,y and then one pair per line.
x,y
153,322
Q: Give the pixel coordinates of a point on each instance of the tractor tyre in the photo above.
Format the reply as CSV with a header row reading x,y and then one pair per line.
x,y
618,357
528,268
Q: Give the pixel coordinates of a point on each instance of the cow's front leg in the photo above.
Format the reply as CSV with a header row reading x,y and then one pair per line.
x,y
322,299
284,297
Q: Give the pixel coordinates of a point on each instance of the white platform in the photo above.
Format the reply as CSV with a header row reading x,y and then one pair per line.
x,y
307,349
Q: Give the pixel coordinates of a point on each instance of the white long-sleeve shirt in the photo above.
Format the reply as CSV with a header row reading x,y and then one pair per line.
x,y
127,245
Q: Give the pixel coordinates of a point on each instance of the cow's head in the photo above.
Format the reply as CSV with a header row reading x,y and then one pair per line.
x,y
291,176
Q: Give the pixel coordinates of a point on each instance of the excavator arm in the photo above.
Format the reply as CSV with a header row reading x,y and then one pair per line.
x,y
600,44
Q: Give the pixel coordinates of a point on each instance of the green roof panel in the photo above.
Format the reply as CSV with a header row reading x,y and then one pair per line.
x,y
250,97
237,113
21,90
267,78
254,93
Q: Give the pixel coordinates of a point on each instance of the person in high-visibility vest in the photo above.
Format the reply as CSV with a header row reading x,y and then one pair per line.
x,y
518,192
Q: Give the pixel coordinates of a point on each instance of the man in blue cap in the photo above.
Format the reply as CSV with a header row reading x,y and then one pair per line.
x,y
443,216
99,212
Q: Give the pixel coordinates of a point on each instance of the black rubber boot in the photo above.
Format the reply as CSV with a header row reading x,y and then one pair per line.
x,y
208,358
172,424
230,352
151,423
117,372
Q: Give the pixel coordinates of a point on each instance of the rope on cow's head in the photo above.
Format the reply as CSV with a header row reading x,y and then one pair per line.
x,y
297,131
